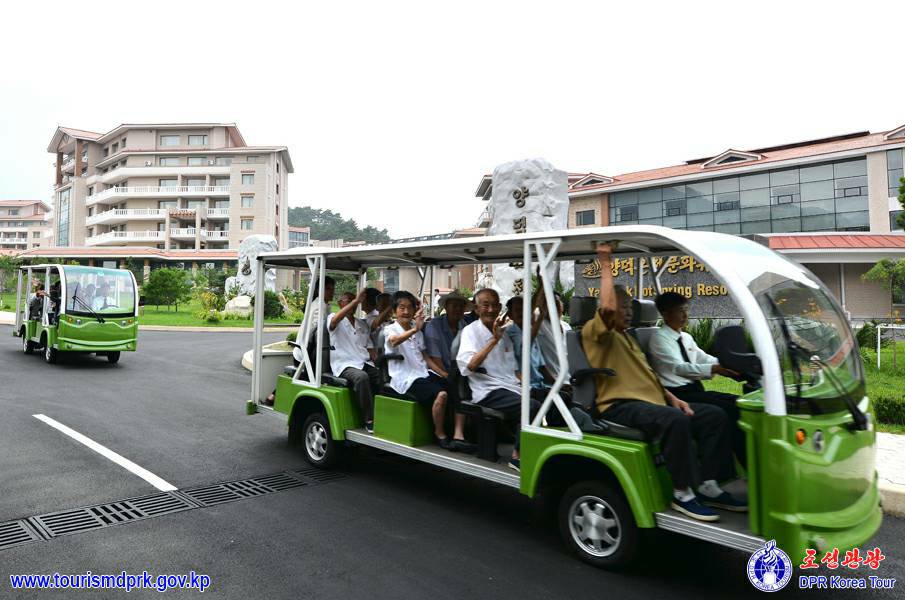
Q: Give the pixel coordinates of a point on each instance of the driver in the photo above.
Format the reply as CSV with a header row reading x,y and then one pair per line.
x,y
103,299
36,304
681,365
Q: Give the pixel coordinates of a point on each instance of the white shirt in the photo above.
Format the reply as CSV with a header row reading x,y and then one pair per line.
x,y
499,364
548,345
413,366
667,361
350,345
317,310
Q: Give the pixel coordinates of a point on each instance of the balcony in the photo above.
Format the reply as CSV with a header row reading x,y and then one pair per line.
x,y
218,213
117,238
120,173
189,191
121,215
215,236
68,165
182,233
6,240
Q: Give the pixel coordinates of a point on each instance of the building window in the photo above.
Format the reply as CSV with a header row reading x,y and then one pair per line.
x,y
168,183
167,204
105,152
221,181
114,148
169,161
224,161
584,217
248,179
63,219
248,201
123,143
278,189
894,171
169,140
278,166
13,212
195,204
35,234
247,224
197,161
625,213
197,140
251,159
674,208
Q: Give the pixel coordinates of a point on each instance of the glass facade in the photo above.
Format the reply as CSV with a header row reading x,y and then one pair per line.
x,y
63,219
298,239
825,197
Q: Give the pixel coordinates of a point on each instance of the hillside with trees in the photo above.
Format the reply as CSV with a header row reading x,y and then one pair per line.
x,y
329,225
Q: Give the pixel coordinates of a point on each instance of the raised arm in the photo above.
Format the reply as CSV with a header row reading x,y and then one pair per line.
x,y
481,355
346,310
608,300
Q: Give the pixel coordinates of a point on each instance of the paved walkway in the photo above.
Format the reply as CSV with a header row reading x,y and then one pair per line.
x,y
891,471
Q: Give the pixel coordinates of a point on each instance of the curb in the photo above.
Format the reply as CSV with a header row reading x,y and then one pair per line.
x,y
271,329
893,496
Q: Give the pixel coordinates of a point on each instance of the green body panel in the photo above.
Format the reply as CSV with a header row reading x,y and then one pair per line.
x,y
337,403
402,421
809,496
632,463
88,335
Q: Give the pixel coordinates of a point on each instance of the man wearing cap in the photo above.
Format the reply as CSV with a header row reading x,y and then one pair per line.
x,y
439,334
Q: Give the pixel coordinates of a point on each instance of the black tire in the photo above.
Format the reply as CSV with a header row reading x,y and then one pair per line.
x,y
597,525
113,357
317,440
28,346
50,353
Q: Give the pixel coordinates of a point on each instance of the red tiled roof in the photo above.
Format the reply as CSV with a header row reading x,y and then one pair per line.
x,y
131,251
21,202
836,241
81,133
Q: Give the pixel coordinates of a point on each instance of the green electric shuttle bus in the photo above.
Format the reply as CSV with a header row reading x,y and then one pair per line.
x,y
64,308
811,477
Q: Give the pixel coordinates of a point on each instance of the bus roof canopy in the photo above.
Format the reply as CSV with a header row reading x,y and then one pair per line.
x,y
575,244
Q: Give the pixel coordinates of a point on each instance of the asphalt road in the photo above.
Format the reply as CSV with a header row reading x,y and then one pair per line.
x,y
389,529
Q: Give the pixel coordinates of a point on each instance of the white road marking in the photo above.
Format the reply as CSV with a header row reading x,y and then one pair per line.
x,y
125,463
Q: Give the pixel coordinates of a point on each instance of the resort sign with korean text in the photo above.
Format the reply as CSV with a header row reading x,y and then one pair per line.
x,y
685,275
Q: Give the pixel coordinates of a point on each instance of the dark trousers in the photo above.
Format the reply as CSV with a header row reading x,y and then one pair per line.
x,y
695,392
676,431
510,404
364,381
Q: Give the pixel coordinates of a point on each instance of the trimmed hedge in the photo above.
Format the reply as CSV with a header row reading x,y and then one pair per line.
x,y
889,409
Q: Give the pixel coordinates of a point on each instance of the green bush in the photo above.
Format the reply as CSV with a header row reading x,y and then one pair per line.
x,y
291,337
702,331
868,357
889,409
212,317
273,309
295,316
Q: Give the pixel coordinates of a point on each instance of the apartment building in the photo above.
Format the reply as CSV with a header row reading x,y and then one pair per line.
x,y
830,203
24,224
167,186
299,237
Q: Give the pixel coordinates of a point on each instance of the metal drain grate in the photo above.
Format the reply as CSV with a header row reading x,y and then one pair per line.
x,y
104,515
77,520
244,488
318,475
15,533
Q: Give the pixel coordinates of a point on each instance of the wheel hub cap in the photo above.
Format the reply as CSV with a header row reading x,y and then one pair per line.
x,y
316,441
595,526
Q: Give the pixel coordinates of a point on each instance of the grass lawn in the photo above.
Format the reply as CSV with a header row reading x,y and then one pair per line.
x,y
186,317
8,298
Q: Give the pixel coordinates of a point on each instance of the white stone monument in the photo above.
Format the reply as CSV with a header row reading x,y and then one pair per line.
x,y
244,282
528,196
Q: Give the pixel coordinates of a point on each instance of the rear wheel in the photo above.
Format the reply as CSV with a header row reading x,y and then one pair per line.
x,y
597,524
28,346
50,353
113,357
320,449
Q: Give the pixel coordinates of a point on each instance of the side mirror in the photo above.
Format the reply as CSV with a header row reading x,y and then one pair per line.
x,y
731,348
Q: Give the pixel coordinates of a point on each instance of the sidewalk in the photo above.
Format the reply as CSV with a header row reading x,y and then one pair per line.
x,y
891,472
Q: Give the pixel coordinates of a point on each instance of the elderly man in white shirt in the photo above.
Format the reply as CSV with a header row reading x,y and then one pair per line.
x,y
680,365
352,354
484,345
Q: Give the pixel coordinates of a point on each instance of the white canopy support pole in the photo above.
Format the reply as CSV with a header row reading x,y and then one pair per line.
x,y
258,338
362,284
322,318
46,304
879,329
545,259
19,300
302,340
422,273
430,293
527,309
639,278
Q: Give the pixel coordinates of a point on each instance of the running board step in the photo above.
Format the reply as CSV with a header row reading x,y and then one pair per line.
x,y
711,532
467,464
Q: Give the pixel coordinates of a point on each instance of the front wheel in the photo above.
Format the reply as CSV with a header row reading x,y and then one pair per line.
x,y
597,524
28,346
50,353
320,449
113,357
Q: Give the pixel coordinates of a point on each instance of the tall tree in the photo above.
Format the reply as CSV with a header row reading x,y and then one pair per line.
x,y
328,225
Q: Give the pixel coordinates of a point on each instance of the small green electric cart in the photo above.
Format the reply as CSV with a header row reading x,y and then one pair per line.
x,y
68,308
811,477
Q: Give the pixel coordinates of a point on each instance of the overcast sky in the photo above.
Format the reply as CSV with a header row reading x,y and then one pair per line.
x,y
392,111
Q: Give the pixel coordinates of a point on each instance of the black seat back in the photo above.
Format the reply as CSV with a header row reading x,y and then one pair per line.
x,y
581,310
584,389
731,348
644,322
458,383
384,357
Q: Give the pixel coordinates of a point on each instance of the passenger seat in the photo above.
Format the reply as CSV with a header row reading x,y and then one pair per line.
x,y
644,323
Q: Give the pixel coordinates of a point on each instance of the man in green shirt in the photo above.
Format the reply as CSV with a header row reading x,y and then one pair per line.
x,y
635,398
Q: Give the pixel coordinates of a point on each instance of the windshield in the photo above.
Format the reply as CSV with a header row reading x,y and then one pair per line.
x,y
791,295
106,292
